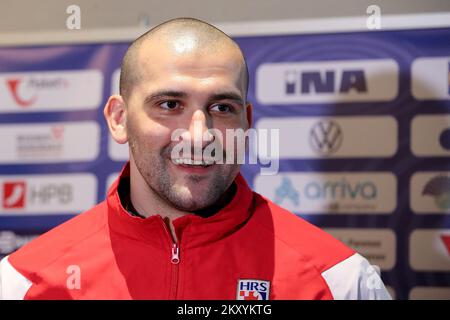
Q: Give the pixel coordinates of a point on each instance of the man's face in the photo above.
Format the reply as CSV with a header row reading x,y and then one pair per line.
x,y
192,90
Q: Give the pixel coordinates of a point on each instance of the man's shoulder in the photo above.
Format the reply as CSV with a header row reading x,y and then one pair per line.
x,y
347,274
295,233
60,240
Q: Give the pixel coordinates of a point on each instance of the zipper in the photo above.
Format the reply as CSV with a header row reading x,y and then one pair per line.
x,y
175,266
174,261
175,254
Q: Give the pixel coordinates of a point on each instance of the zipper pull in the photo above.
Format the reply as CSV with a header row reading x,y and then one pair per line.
x,y
175,254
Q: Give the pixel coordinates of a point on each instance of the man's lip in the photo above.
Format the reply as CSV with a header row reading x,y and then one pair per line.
x,y
192,169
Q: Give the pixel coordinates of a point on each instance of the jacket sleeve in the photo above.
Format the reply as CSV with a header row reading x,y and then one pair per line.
x,y
13,285
355,279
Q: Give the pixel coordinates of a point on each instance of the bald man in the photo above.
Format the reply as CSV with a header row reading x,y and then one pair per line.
x,y
178,224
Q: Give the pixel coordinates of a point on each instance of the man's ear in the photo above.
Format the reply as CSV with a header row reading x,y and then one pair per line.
x,y
116,115
249,109
249,112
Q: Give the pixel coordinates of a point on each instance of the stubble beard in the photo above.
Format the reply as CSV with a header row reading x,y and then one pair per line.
x,y
180,194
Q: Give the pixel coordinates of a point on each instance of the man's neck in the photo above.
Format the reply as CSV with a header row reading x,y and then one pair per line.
x,y
145,202
226,198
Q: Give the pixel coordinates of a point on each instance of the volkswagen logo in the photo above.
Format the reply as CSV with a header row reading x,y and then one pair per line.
x,y
325,137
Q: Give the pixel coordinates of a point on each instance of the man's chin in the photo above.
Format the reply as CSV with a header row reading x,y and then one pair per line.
x,y
193,184
190,205
192,197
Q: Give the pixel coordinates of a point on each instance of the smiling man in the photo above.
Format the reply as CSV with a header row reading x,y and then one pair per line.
x,y
179,225
181,75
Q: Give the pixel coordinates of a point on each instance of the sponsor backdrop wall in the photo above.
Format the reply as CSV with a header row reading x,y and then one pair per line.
x,y
364,122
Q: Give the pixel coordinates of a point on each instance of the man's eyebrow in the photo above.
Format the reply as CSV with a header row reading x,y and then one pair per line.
x,y
165,94
227,96
181,94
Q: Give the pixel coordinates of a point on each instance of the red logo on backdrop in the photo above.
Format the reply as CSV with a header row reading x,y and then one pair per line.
x,y
446,240
14,195
58,132
13,85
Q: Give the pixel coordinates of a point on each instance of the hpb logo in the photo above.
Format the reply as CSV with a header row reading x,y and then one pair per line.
x,y
14,195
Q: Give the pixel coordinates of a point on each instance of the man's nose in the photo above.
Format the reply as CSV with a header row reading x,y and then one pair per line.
x,y
199,134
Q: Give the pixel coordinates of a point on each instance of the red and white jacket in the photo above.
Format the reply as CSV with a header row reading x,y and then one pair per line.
x,y
251,249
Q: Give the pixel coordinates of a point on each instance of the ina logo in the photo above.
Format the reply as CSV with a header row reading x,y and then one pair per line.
x,y
439,188
325,81
250,289
287,190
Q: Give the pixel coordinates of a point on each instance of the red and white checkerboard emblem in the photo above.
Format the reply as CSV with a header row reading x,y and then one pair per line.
x,y
250,289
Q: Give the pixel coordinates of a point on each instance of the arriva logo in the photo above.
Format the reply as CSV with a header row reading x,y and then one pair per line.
x,y
286,190
325,190
343,189
331,192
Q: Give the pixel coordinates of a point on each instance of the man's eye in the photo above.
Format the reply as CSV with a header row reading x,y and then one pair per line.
x,y
170,105
223,108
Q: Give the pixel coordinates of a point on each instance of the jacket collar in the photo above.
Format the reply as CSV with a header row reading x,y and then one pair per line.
x,y
191,230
